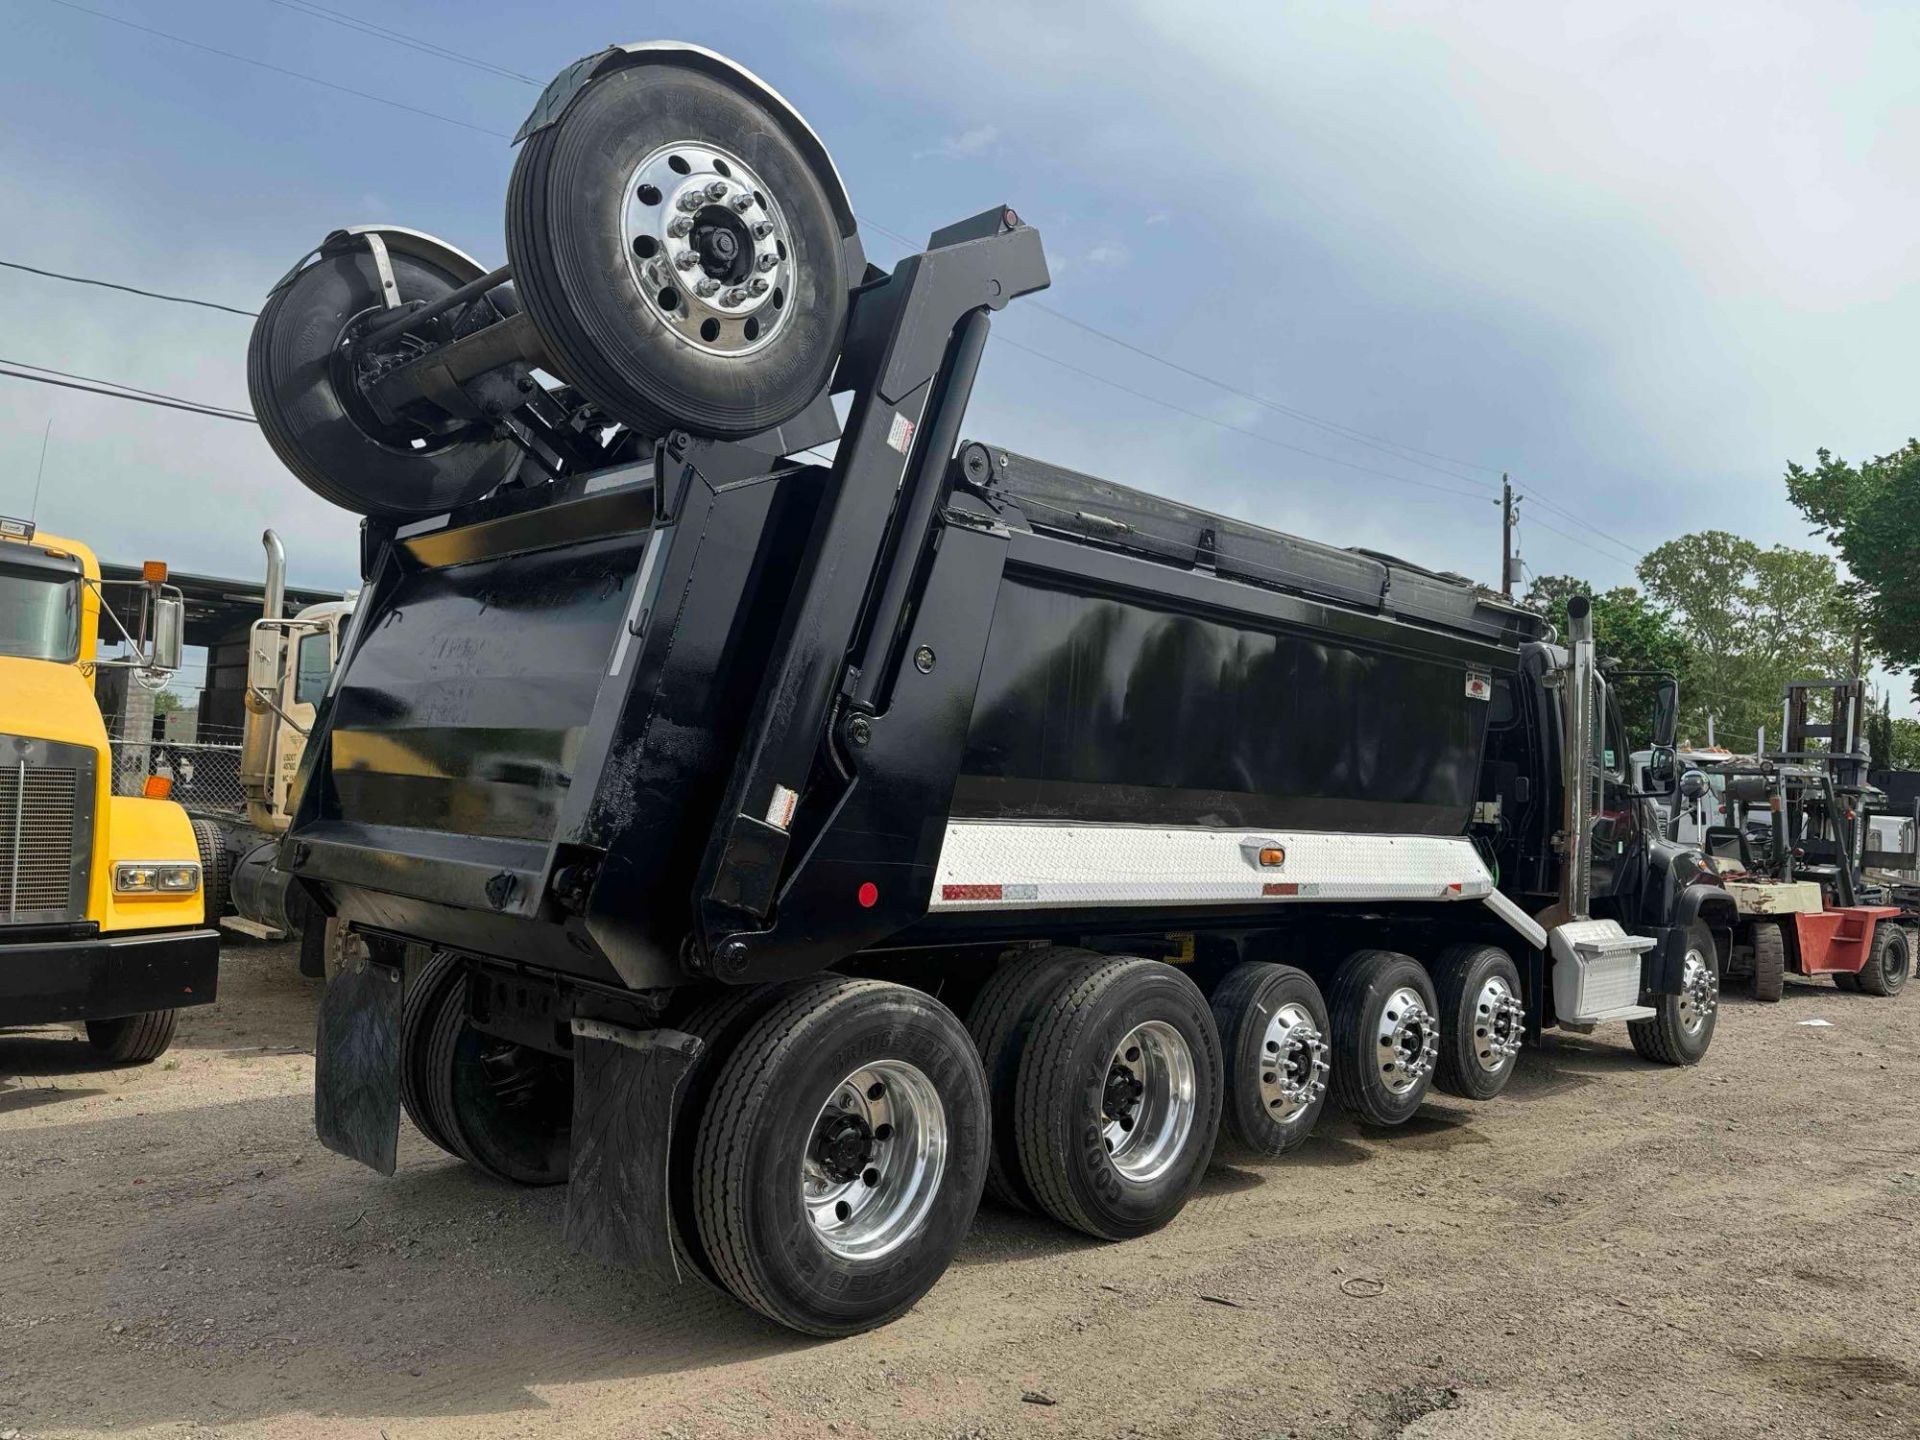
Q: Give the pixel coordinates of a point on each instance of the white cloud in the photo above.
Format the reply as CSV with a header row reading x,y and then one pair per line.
x,y
965,146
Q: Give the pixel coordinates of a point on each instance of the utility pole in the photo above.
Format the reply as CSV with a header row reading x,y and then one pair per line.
x,y
1506,537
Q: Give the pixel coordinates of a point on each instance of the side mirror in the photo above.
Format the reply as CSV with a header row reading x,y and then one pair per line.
x,y
169,632
1693,784
1666,712
1660,770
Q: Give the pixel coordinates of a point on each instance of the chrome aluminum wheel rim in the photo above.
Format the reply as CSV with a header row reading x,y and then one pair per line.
x,y
708,247
875,1159
1499,1022
1408,1039
1149,1103
1293,1064
1699,993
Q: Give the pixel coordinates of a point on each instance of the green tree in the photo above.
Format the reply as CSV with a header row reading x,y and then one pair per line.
x,y
1903,751
1752,619
1628,632
1871,513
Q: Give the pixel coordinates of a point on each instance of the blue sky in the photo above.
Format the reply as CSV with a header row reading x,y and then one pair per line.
x,y
1639,255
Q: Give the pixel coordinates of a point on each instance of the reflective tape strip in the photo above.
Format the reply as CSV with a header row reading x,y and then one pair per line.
x,y
1005,864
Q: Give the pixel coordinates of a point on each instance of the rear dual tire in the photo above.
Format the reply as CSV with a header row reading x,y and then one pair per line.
x,y
1386,1032
1274,1034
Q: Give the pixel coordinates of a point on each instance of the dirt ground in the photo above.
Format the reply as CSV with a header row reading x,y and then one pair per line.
x,y
1608,1249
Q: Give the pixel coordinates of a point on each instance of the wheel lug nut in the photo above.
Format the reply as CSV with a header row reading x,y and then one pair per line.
x,y
706,288
767,262
762,229
734,296
759,286
686,259
742,202
691,200
680,226
716,189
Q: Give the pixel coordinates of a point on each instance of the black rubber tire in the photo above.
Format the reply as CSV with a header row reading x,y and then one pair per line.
x,y
1061,1095
720,1022
1459,973
1889,962
1848,983
1356,1001
1000,1019
134,1039
424,995
1243,1004
290,378
564,238
519,1134
760,1122
1663,1039
216,868
1768,941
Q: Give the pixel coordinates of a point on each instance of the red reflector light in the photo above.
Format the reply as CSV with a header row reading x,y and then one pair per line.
x,y
1280,887
970,892
868,894
158,787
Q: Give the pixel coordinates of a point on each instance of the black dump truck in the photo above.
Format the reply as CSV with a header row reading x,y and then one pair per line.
x,y
781,850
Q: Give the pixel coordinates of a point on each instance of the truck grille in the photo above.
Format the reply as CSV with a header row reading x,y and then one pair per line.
x,y
39,840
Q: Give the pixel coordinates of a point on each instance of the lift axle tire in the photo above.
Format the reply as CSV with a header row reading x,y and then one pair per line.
x,y
1889,962
1768,982
1274,1037
1481,1024
1848,983
1682,1025
1000,1019
1386,1035
134,1039
507,1108
301,377
842,1155
1119,1097
619,320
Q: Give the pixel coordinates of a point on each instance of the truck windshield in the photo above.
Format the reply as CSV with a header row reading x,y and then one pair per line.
x,y
39,614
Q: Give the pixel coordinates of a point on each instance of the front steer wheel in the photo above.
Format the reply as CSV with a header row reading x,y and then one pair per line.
x,y
841,1155
134,1039
1682,1025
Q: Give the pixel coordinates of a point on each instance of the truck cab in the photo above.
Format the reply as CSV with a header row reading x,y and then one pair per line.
x,y
104,907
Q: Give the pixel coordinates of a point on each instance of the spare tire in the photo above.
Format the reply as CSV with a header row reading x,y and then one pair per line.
x,y
303,376
678,254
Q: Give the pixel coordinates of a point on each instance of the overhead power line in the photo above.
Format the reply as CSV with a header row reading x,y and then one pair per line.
x,y
115,391
129,289
1396,449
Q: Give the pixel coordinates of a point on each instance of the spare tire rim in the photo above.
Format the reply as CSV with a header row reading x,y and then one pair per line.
x,y
875,1159
1293,1063
1499,1022
1699,993
1407,1040
708,247
1149,1101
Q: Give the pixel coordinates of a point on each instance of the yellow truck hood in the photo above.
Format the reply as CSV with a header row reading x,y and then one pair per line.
x,y
49,701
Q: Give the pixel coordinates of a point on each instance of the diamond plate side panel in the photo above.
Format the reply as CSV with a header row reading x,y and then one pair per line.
x,y
987,865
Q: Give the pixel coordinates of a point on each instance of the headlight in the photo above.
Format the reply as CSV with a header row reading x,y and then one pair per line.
x,y
147,877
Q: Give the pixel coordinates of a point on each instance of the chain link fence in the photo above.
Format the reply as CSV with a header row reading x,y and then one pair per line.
x,y
204,769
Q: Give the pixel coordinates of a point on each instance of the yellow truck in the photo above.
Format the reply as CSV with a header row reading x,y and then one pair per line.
x,y
106,903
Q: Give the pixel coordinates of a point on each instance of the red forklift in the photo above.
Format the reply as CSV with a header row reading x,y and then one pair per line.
x,y
1796,852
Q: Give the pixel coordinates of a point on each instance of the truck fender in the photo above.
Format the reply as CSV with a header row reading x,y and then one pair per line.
x,y
1662,966
565,86
456,262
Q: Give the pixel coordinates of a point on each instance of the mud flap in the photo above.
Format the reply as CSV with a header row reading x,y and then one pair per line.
x,y
356,1065
625,1084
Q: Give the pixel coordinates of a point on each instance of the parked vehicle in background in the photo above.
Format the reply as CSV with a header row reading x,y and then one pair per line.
x,y
106,901
289,663
682,793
